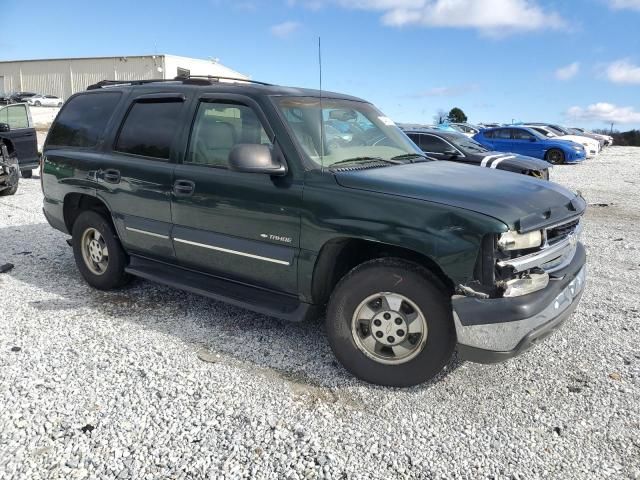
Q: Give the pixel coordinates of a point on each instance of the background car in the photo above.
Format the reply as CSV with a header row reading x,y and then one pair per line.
x,y
20,97
19,136
45,101
526,141
457,147
608,140
465,128
560,130
591,146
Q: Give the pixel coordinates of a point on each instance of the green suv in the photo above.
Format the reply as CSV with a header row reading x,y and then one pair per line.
x,y
253,194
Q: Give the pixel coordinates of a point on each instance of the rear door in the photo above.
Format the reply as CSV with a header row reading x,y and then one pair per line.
x,y
501,140
22,134
242,226
135,172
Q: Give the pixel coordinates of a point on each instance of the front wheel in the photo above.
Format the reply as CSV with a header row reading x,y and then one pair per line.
x,y
389,322
38,104
97,251
9,191
555,156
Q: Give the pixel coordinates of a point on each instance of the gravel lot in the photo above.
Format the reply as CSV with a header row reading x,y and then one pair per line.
x,y
150,382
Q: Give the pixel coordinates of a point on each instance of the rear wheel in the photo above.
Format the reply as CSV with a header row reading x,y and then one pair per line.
x,y
97,251
555,156
389,323
37,103
26,173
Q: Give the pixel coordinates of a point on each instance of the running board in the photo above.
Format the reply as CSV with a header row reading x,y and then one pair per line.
x,y
267,302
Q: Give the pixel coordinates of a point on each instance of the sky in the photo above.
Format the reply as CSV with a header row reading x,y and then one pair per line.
x,y
566,61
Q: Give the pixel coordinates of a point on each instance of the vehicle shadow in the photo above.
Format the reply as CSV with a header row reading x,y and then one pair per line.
x,y
296,352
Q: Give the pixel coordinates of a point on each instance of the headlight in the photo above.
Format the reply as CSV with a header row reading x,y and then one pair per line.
x,y
520,241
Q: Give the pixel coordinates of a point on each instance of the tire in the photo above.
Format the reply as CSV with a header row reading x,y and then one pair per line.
x,y
59,104
38,104
109,273
420,293
26,173
555,156
9,191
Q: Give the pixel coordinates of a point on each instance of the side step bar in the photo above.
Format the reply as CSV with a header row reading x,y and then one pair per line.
x,y
267,302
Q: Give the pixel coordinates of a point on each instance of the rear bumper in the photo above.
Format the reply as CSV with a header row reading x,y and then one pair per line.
x,y
494,330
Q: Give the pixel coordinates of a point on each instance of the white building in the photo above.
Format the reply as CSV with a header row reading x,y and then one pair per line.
x,y
65,76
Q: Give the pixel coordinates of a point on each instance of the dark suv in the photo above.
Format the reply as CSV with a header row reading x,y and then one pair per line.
x,y
239,191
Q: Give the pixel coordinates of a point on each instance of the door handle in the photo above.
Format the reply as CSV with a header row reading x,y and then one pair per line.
x,y
183,188
111,175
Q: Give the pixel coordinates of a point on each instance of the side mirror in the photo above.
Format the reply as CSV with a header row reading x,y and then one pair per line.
x,y
254,158
4,127
451,153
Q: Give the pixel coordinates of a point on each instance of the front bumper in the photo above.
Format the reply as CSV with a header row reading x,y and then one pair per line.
x,y
495,330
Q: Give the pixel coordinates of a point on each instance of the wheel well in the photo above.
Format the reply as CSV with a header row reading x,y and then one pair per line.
x,y
76,203
337,257
8,144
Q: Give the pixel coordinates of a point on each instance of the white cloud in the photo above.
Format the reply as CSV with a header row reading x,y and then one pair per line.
x,y
604,112
284,29
623,71
568,72
622,4
490,17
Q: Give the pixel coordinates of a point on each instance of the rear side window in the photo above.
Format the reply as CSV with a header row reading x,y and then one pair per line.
x,y
489,133
149,128
82,121
503,134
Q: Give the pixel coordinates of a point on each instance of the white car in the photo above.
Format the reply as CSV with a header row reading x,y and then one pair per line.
x,y
45,101
608,140
465,129
591,146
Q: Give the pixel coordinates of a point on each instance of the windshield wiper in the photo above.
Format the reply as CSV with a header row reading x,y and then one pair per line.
x,y
408,156
366,159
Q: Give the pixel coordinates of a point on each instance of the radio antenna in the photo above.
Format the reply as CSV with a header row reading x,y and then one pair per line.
x,y
321,112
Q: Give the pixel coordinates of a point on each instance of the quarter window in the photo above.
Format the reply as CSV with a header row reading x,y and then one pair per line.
x,y
83,119
218,127
149,128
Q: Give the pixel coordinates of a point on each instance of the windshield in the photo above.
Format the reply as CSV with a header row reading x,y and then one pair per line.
x,y
350,130
466,144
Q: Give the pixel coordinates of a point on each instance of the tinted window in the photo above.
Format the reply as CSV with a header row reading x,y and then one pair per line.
x,y
218,128
519,134
15,116
489,133
432,144
503,134
149,129
82,121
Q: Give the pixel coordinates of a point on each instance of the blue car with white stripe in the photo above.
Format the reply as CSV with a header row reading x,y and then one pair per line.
x,y
526,141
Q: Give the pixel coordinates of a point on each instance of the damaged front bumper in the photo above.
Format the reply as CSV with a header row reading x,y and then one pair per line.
x,y
9,170
494,330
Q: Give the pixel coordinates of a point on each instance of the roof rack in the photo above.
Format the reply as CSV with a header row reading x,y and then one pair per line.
x,y
217,78
186,79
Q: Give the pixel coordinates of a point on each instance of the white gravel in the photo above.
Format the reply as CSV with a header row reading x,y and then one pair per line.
x,y
150,382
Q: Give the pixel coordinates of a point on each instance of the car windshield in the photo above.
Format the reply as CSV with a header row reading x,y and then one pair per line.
x,y
466,144
350,131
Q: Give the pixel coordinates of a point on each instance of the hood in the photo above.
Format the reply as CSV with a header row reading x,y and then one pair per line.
x,y
513,162
521,202
580,139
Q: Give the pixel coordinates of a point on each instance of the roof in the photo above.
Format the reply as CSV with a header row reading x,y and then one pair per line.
x,y
247,87
97,58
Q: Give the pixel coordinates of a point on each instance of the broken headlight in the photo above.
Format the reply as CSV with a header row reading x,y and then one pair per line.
x,y
520,241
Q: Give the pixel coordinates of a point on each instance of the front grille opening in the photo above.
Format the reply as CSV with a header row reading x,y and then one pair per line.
x,y
560,232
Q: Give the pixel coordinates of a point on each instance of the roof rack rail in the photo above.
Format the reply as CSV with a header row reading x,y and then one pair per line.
x,y
217,78
187,79
113,83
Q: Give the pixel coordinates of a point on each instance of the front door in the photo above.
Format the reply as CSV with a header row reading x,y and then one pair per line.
x,y
242,226
21,134
526,143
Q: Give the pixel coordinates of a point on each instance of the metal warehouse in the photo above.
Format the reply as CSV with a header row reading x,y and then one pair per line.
x,y
65,76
